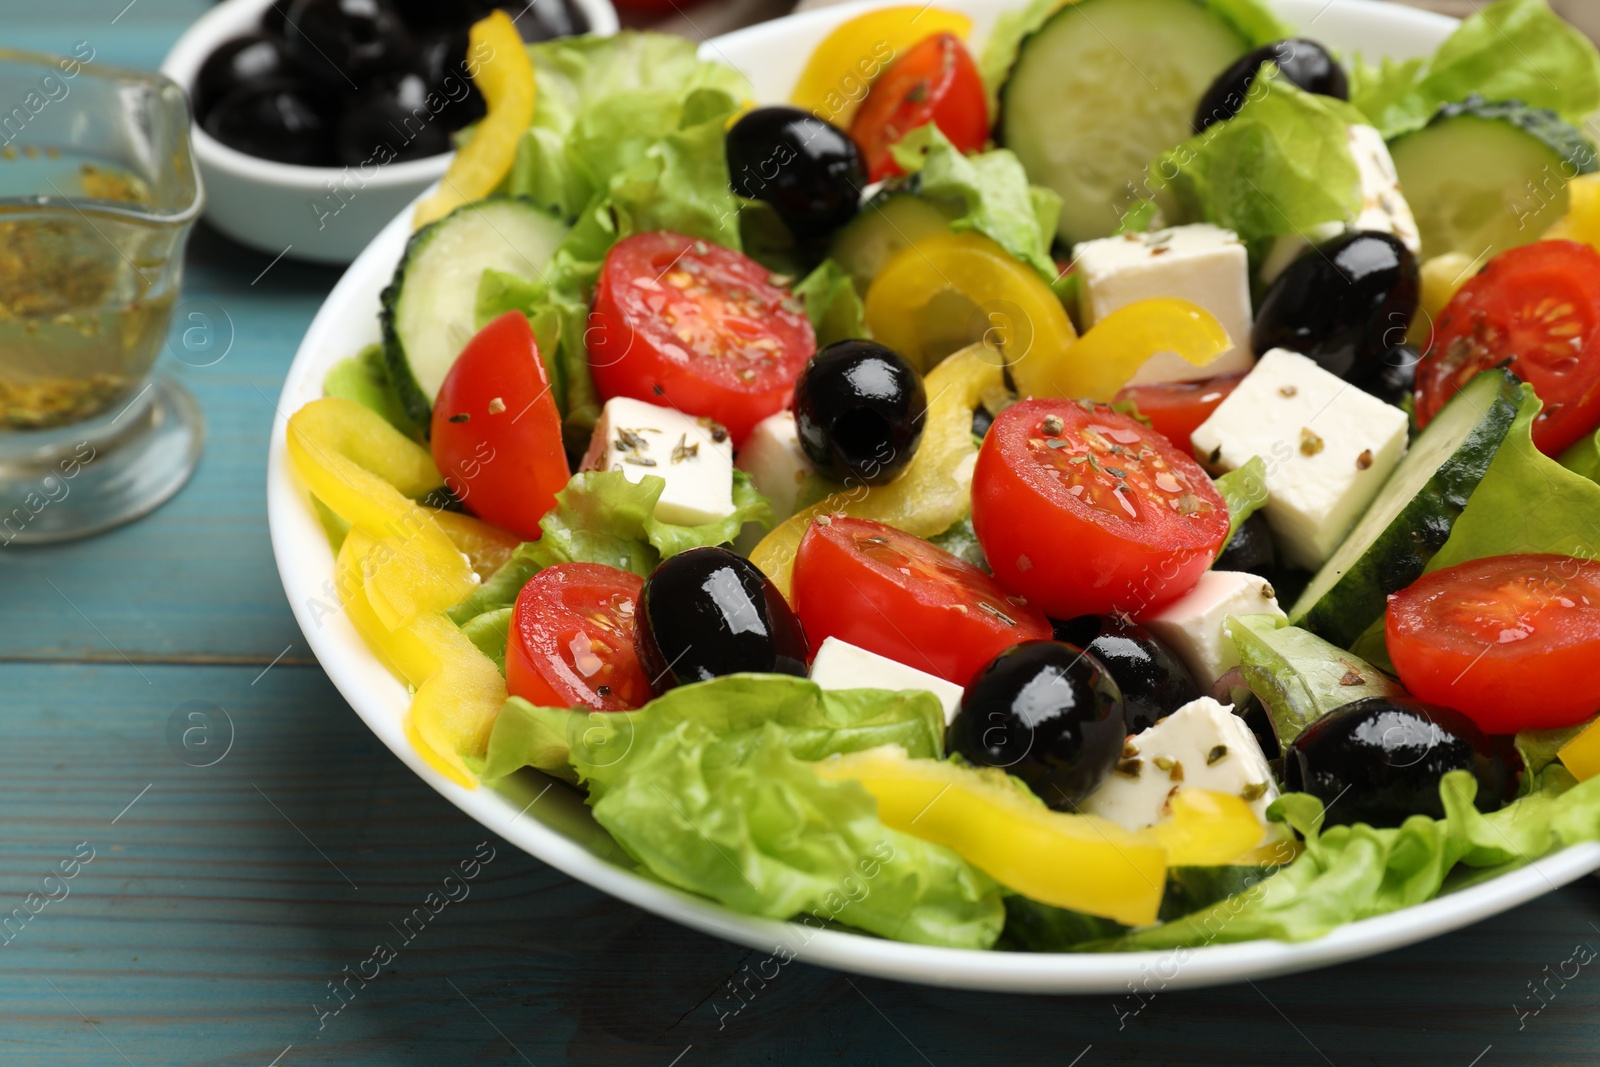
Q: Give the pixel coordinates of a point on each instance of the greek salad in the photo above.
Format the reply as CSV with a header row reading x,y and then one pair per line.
x,y
1129,482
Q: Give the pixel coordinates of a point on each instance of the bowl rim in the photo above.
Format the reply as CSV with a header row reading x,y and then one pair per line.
x,y
234,17
354,671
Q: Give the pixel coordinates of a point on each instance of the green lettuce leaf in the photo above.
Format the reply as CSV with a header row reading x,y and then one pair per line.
x,y
832,303
1282,165
1348,873
1538,748
364,378
1298,676
602,517
987,192
1244,490
1509,50
489,631
708,788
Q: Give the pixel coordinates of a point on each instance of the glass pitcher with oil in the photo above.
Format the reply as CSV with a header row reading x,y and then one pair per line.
x,y
98,193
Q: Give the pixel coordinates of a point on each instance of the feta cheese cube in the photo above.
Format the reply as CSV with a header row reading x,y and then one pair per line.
x,y
1327,445
693,455
1203,264
1202,745
776,463
841,665
1195,625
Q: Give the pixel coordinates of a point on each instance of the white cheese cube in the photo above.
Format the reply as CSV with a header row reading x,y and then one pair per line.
x,y
841,665
1327,445
1203,264
775,462
1202,745
1195,625
1383,206
694,455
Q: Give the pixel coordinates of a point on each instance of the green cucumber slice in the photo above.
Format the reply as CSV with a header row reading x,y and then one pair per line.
x,y
1411,517
429,308
886,225
1484,177
1100,90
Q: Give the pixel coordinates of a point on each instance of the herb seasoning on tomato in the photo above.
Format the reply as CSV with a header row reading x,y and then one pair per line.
x,y
571,639
937,82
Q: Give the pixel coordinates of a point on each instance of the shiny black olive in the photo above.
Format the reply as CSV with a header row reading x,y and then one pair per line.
x,y
709,612
442,62
808,170
424,15
388,119
541,20
1154,683
859,410
1250,549
277,120
1047,712
1344,303
252,57
1379,760
1393,377
342,43
274,19
1305,63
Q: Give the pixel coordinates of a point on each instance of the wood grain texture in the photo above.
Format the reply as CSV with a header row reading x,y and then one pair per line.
x,y
222,900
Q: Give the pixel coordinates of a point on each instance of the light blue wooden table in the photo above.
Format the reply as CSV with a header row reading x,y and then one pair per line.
x,y
223,904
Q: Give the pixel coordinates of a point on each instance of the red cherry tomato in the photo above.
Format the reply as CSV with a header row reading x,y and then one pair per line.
x,y
1509,641
936,82
1176,409
571,639
1539,307
496,434
888,592
691,325
1085,511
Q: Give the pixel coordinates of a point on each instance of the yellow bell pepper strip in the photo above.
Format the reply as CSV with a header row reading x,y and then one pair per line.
x,y
933,493
362,469
951,289
836,77
1207,829
1097,365
1082,862
1581,755
1581,223
1442,277
500,68
459,690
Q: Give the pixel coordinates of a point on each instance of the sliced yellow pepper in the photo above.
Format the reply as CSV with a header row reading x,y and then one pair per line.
x,y
950,289
500,68
1581,223
363,469
836,77
933,493
1207,829
1103,360
1581,755
1442,277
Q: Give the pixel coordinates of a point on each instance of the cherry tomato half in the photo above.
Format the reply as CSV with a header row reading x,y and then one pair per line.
x,y
936,82
1085,511
688,324
496,434
886,591
1176,409
571,639
1509,641
1539,307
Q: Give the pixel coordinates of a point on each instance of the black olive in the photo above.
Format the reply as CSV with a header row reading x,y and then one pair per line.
x,y
342,43
274,19
1379,761
1344,303
808,170
1154,683
1250,549
859,409
391,112
1047,712
541,20
1393,376
275,120
424,15
981,421
252,57
442,62
1305,63
709,612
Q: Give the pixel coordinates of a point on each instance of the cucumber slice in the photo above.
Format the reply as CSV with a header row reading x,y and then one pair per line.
x,y
886,225
1412,515
1100,90
429,308
1482,177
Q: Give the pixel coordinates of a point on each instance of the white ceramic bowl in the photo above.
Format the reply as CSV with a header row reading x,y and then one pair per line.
x,y
557,828
322,214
